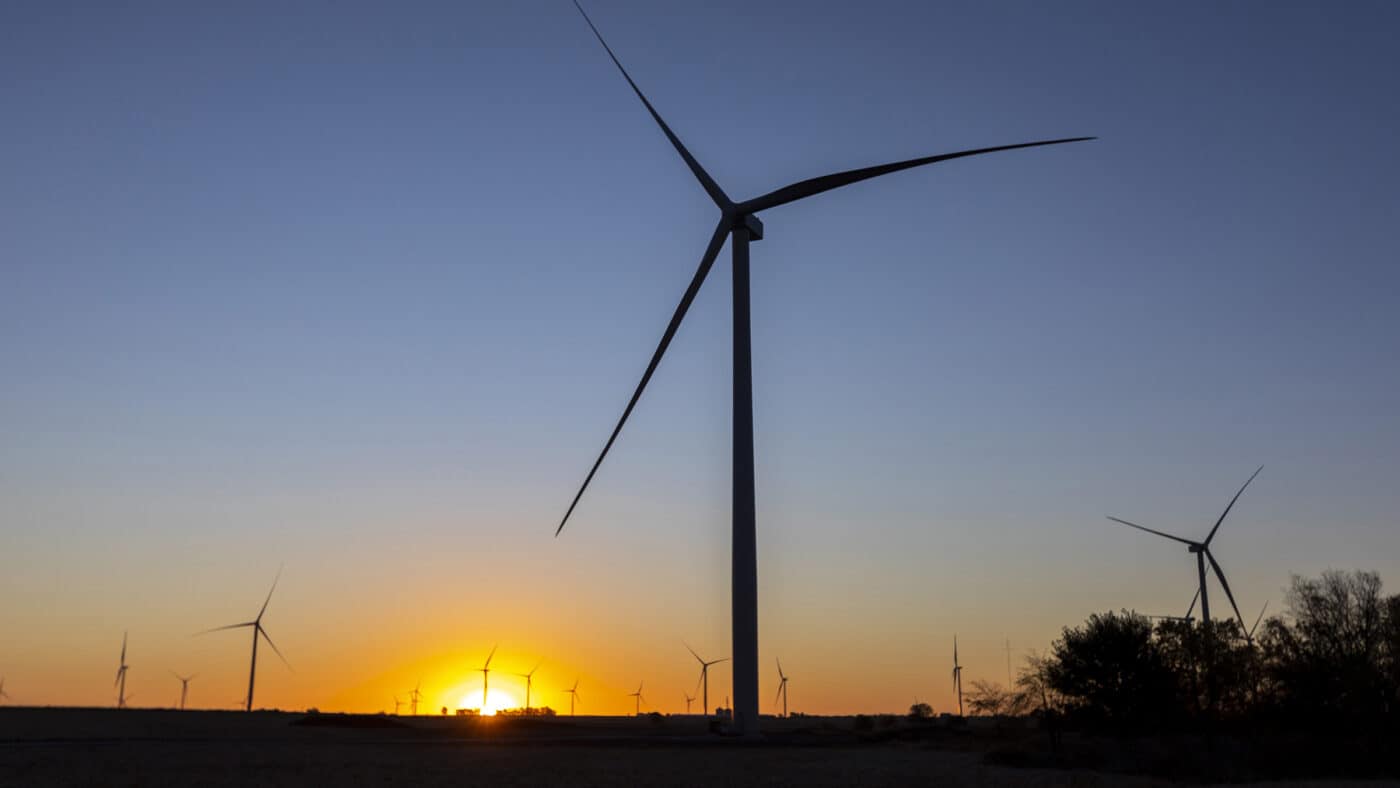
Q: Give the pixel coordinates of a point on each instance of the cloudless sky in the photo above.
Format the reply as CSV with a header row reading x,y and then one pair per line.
x,y
361,290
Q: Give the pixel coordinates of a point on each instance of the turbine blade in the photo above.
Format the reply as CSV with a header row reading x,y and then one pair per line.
x,y
779,695
275,650
1231,506
708,260
230,626
711,188
780,668
1225,584
123,648
717,661
1149,530
269,594
692,652
490,656
1195,598
1257,620
826,183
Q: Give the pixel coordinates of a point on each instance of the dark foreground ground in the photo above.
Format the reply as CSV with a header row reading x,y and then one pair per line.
x,y
102,747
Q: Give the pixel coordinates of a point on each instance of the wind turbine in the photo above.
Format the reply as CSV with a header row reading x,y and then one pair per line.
x,y
257,627
1203,554
957,675
184,686
529,677
120,683
413,698
704,676
398,704
3,694
782,688
638,696
486,677
740,222
573,696
689,699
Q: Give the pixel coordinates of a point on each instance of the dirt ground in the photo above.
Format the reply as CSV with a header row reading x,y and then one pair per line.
x,y
103,748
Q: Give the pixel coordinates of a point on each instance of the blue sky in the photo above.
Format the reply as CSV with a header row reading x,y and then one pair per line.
x,y
362,289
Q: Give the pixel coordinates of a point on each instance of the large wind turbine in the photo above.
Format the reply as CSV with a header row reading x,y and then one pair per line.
x,y
573,696
120,683
1203,554
704,676
184,686
739,221
257,627
957,675
486,677
529,678
782,687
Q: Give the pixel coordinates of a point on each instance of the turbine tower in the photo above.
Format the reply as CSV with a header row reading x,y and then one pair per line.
x,y
413,698
529,677
782,688
120,683
638,696
957,675
1203,554
739,221
486,677
184,686
257,627
704,676
573,696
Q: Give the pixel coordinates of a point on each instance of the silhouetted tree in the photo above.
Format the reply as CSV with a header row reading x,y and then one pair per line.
x,y
1331,657
1215,667
920,711
1110,671
989,699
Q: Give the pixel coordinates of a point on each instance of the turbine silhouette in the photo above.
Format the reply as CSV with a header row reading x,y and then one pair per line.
x,y
1203,554
689,699
704,676
957,675
739,221
529,678
782,688
413,698
3,694
573,696
257,627
638,696
120,683
486,677
184,686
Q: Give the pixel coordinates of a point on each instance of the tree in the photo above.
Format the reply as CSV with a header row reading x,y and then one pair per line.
x,y
920,711
989,699
1110,671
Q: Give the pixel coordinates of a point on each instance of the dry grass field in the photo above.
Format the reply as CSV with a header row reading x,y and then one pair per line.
x,y
98,747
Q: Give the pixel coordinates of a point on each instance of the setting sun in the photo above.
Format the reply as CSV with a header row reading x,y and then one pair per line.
x,y
496,700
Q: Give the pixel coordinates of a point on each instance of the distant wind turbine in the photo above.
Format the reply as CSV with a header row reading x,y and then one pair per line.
x,y
486,677
413,698
704,676
740,222
398,704
120,683
782,688
3,694
529,677
689,699
573,696
638,696
957,675
184,686
258,630
1203,554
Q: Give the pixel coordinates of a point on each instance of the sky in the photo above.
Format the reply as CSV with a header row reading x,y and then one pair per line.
x,y
359,290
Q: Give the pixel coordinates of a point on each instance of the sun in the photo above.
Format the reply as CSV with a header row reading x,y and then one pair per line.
x,y
495,701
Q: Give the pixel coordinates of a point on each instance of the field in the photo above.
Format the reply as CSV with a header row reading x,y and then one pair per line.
x,y
90,747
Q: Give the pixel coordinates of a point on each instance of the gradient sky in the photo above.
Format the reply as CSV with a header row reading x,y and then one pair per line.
x,y
361,289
